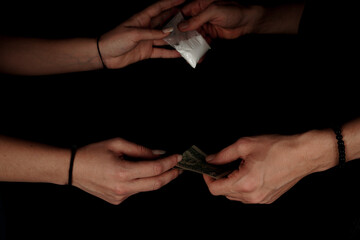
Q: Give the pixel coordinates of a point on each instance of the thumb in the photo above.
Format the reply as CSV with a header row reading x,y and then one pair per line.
x,y
227,155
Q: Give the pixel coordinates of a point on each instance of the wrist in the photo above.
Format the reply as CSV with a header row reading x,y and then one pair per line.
x,y
351,137
284,19
321,150
99,52
257,14
105,58
58,172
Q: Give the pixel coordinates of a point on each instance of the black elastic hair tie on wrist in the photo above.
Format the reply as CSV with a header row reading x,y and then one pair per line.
x,y
72,158
97,45
341,147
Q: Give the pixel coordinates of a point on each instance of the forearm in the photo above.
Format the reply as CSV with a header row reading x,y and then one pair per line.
x,y
351,137
29,56
283,19
23,161
321,148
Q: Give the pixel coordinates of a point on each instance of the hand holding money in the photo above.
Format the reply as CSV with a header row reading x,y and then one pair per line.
x,y
194,160
271,164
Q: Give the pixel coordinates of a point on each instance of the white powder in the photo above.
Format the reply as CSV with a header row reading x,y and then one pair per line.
x,y
191,45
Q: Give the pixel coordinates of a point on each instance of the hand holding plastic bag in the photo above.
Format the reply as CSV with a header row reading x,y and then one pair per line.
x,y
191,45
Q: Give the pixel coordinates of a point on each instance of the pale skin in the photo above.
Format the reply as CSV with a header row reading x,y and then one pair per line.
x,y
99,169
271,164
133,40
229,20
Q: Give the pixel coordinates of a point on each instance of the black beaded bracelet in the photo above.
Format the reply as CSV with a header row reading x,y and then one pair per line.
x,y
98,48
341,147
72,158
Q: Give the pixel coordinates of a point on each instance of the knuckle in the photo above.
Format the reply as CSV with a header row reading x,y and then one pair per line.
x,y
213,191
116,140
117,200
243,143
162,6
204,4
249,186
175,173
122,175
135,34
212,7
157,184
120,190
158,168
143,149
112,143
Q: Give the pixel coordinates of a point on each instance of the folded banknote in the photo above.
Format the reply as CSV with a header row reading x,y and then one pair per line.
x,y
194,160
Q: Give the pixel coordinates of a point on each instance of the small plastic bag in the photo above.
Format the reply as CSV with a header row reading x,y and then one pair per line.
x,y
191,45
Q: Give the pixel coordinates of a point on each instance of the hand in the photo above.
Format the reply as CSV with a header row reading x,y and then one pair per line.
x,y
272,164
220,19
101,170
136,40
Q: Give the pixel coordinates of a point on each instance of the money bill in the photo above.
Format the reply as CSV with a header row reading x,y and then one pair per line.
x,y
194,160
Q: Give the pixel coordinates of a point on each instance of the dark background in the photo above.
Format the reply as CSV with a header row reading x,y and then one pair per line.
x,y
249,86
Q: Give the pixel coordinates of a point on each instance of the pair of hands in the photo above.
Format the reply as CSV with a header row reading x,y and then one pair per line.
x,y
271,165
137,38
134,40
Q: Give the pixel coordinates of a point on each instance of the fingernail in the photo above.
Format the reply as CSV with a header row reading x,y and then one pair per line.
x,y
179,158
210,158
168,30
183,25
158,152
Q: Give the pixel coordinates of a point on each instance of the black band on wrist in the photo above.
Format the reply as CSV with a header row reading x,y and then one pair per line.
x,y
341,147
97,45
72,158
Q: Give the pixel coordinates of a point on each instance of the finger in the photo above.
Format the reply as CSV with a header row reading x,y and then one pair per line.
x,y
227,155
198,20
223,186
164,53
160,42
218,187
143,169
163,17
161,6
155,183
142,34
123,147
195,7
208,179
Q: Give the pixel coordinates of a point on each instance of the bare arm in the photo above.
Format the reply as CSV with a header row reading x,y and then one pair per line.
x,y
282,19
99,168
272,164
351,134
30,56
227,19
131,41
24,161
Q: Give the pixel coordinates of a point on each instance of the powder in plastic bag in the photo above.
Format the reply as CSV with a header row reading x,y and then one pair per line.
x,y
191,45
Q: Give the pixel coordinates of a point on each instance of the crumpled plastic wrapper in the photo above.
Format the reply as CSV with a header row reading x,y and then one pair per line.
x,y
191,45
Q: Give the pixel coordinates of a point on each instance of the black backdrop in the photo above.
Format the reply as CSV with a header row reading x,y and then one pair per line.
x,y
249,86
